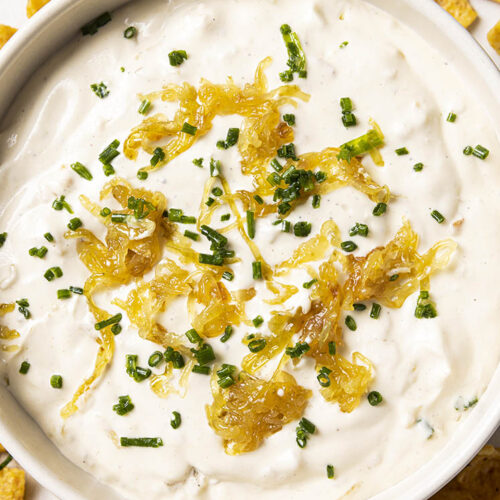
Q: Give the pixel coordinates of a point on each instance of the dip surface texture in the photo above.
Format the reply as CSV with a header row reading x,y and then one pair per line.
x,y
429,371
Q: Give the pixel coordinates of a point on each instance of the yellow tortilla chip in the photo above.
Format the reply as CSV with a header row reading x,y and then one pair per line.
x,y
480,480
494,36
12,483
34,6
5,33
461,10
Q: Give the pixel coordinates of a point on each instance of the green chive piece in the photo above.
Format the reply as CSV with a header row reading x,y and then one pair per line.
x,y
213,236
480,152
345,104
56,381
257,321
38,252
374,398
158,156
359,307
189,129
116,329
394,277
232,137
198,162
257,270
76,289
119,218
418,167
24,368
100,90
174,357
451,117
92,27
344,44
176,421
155,359
323,379
191,235
215,168
402,151
124,405
228,276
105,212
52,273
309,284
81,170
286,226
289,119
361,145
425,307
332,348
307,425
348,246
437,216
257,345
359,229
287,151
380,208
63,294
177,57
144,107
48,237
75,223
201,370
142,175
226,382
193,336
227,334
302,229
61,203
350,323
276,165
142,442
108,322
348,119
251,224
316,201
204,354
330,471
296,56
375,311
225,217
130,32
298,350
23,307
217,191
468,150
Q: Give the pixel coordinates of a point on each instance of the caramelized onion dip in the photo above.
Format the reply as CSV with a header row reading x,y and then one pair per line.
x,y
249,249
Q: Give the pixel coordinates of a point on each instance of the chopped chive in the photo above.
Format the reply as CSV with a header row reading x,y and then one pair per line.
x,y
467,150
232,137
191,235
380,208
176,421
227,333
130,32
116,329
185,219
350,323
225,382
418,167
48,237
257,270
307,425
394,277
257,345
480,152
402,151
209,259
276,165
144,107
63,293
361,145
258,199
193,336
107,322
142,175
142,442
345,104
309,284
375,311
215,168
359,229
228,276
298,350
177,57
204,354
323,379
61,203
93,26
209,202
24,368
316,201
201,370
124,405
174,357
155,359
289,119
76,289
56,381
38,252
75,223
52,273
348,246
286,226
451,117
274,179
189,129
6,462
437,216
81,170
296,56
105,212
330,471
359,307
374,398
320,176
257,321
332,348
287,151
344,44
119,218
198,162
217,191
158,156
213,236
348,119
302,229
100,90
251,224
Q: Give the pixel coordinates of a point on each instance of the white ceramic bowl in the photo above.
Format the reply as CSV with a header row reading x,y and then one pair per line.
x,y
60,20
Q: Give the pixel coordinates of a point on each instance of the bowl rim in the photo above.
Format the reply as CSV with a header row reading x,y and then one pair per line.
x,y
10,56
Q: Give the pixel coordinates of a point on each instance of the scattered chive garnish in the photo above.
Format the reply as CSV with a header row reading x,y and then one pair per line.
x,y
380,208
124,405
309,284
418,167
359,307
302,229
100,90
251,224
38,252
332,348
177,57
130,32
375,311
201,370
155,359
193,336
191,235
316,201
232,137
350,323
142,442
257,321
257,270
480,152
176,421
198,162
330,471
374,398
189,129
296,56
64,293
227,333
3,239
437,216
348,246
451,117
289,119
144,107
61,203
298,350
402,151
24,368
92,27
108,322
158,156
81,170
257,345
361,145
228,276
56,381
48,237
359,229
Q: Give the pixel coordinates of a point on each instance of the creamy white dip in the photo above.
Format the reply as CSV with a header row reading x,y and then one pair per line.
x,y
423,367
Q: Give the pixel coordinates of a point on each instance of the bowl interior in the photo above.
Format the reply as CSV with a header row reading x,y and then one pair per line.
x,y
55,24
